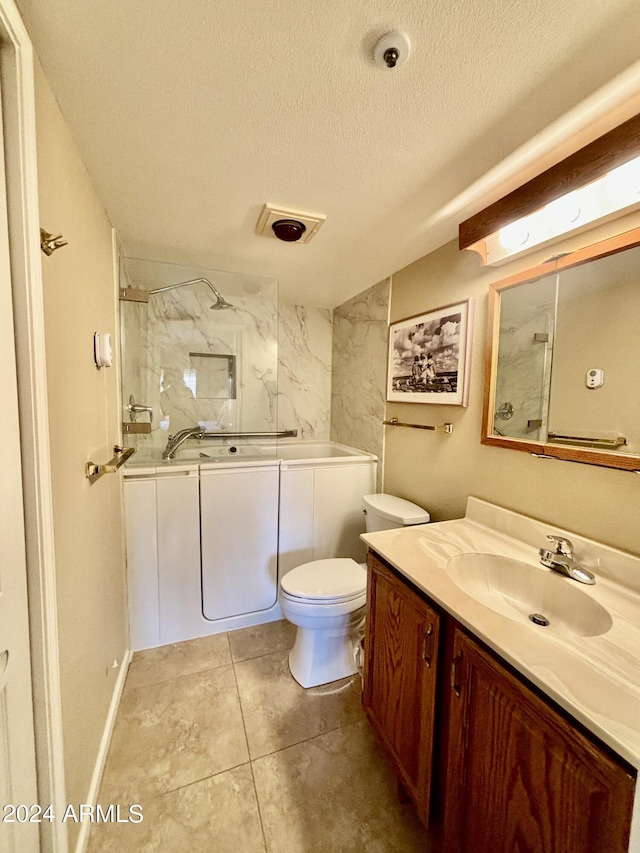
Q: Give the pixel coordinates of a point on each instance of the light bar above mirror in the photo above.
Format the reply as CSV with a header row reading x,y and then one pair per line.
x,y
595,184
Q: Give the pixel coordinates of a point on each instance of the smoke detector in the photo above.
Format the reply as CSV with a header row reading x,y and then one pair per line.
x,y
392,50
292,226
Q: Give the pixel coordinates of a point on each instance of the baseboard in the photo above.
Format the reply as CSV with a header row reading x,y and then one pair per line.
x,y
101,760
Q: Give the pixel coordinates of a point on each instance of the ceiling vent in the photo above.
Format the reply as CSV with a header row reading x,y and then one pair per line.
x,y
276,216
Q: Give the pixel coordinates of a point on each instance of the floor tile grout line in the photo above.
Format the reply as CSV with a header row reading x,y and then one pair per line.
x,y
238,666
198,781
253,777
229,665
253,759
155,683
261,655
146,685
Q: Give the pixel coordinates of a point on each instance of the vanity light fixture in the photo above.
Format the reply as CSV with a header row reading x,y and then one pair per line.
x,y
596,184
569,214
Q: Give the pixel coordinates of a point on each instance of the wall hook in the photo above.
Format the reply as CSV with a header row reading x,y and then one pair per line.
x,y
49,243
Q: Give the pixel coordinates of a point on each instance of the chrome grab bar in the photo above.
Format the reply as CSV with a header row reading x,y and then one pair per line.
x,y
120,456
285,433
175,441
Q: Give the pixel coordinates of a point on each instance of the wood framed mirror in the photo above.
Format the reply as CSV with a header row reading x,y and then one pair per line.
x,y
563,362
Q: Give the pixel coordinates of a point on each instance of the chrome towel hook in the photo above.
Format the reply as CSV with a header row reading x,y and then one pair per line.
x,y
49,242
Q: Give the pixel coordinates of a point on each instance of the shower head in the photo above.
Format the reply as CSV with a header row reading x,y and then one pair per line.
x,y
220,302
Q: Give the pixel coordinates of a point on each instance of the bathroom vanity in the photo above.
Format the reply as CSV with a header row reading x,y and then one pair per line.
x,y
506,734
208,536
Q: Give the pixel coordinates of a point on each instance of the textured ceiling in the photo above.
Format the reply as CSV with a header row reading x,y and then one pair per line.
x,y
191,114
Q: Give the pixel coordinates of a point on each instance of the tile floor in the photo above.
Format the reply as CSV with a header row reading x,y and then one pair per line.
x,y
225,752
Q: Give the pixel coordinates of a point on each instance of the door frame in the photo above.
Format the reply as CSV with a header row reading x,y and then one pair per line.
x,y
24,245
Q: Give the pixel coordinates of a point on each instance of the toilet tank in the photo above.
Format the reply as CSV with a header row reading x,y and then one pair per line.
x,y
385,512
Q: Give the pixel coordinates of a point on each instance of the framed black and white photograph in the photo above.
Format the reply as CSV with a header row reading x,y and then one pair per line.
x,y
429,356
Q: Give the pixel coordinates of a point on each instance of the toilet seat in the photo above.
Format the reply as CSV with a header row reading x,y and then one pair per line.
x,y
325,581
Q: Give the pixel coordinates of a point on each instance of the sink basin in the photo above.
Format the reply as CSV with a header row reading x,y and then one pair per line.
x,y
518,590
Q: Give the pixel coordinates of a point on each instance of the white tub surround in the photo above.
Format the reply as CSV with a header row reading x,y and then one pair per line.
x,y
321,489
596,679
211,451
207,538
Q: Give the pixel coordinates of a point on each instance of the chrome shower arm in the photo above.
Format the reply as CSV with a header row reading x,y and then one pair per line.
x,y
219,297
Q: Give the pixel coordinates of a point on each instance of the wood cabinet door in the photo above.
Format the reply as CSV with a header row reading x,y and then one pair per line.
x,y
400,672
519,776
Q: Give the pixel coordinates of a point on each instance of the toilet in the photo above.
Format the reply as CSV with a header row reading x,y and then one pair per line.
x,y
325,600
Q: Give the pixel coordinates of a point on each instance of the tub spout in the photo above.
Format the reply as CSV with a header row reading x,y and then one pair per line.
x,y
176,441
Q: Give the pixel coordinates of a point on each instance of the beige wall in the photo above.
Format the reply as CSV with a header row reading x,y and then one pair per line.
x,y
598,330
440,471
79,299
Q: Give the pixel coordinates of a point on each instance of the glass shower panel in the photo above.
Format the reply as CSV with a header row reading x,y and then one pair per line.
x,y
524,359
194,363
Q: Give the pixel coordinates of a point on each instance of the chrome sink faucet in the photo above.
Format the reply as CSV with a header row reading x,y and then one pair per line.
x,y
561,560
175,441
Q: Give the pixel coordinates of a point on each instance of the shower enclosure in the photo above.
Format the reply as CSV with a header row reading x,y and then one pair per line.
x,y
525,356
199,351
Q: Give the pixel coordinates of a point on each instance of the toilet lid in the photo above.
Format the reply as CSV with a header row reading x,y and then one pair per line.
x,y
337,580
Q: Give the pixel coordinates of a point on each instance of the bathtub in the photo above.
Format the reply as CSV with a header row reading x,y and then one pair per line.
x,y
210,533
208,451
318,451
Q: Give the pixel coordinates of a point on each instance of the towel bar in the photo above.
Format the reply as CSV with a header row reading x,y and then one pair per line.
x,y
589,441
446,427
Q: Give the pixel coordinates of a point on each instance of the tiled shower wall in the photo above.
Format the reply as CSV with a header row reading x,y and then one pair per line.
x,y
304,371
358,392
331,365
285,364
524,360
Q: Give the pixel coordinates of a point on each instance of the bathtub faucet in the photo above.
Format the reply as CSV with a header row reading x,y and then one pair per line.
x,y
177,440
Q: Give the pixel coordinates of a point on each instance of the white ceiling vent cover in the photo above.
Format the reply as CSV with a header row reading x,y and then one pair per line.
x,y
271,214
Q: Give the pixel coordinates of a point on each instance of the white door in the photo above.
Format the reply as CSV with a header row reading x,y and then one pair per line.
x,y
239,536
18,827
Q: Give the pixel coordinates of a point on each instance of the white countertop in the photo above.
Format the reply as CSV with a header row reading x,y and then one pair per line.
x,y
595,679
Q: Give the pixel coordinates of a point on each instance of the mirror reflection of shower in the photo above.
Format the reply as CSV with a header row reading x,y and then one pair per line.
x,y
525,350
194,366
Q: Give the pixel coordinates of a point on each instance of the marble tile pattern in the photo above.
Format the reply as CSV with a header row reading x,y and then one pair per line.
x,y
359,370
161,370
524,364
238,757
304,371
283,356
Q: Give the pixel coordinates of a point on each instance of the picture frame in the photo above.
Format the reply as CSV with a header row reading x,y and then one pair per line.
x,y
429,356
